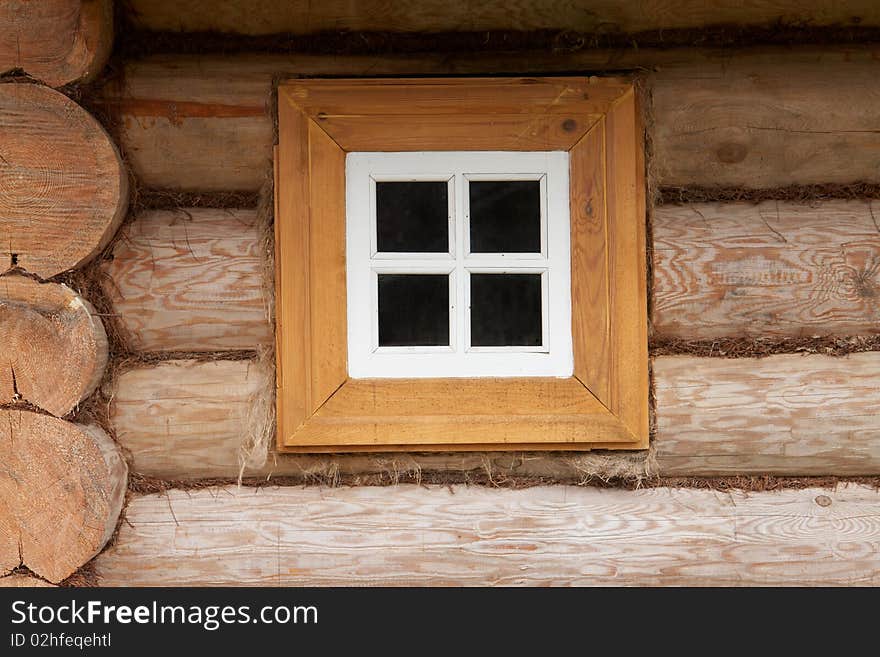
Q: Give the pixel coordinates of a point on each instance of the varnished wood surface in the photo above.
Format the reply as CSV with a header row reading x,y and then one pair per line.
x,y
772,269
63,188
61,491
56,41
471,536
790,414
191,279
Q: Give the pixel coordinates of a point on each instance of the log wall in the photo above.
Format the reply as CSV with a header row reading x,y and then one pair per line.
x,y
760,118
193,280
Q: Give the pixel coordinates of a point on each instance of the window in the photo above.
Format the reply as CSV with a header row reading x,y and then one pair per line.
x,y
460,265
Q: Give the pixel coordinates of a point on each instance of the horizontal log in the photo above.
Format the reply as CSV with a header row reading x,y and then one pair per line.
x,y
191,280
188,419
561,535
757,118
56,41
303,17
784,415
192,414
789,414
772,269
806,117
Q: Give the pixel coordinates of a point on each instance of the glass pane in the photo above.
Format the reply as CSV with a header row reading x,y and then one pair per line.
x,y
413,310
412,217
506,310
505,216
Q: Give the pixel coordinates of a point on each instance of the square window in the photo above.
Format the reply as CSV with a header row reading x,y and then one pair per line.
x,y
505,216
506,310
413,310
447,311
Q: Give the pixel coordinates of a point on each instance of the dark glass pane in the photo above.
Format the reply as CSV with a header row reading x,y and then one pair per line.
x,y
412,217
506,310
505,216
413,310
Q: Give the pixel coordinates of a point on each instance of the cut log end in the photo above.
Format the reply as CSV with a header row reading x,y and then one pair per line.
x,y
23,581
63,187
56,41
55,348
63,496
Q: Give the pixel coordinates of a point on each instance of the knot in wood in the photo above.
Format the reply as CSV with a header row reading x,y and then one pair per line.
x,y
823,500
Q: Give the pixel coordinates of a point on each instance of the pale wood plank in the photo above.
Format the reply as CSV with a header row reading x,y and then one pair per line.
x,y
56,41
758,118
190,280
790,414
605,16
410,535
786,415
187,417
806,118
772,269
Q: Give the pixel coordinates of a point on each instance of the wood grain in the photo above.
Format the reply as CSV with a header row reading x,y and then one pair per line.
x,y
187,419
772,269
311,357
806,118
63,188
56,41
590,322
478,536
791,414
785,415
448,114
302,17
54,345
626,262
195,415
326,254
23,581
757,118
61,491
190,279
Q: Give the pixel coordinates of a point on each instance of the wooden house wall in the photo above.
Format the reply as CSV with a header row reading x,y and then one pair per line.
x,y
764,170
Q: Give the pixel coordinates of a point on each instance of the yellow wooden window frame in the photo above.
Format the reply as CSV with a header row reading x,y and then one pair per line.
x,y
605,403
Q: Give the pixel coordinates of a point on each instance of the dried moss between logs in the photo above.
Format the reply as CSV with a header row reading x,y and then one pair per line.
x,y
134,42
